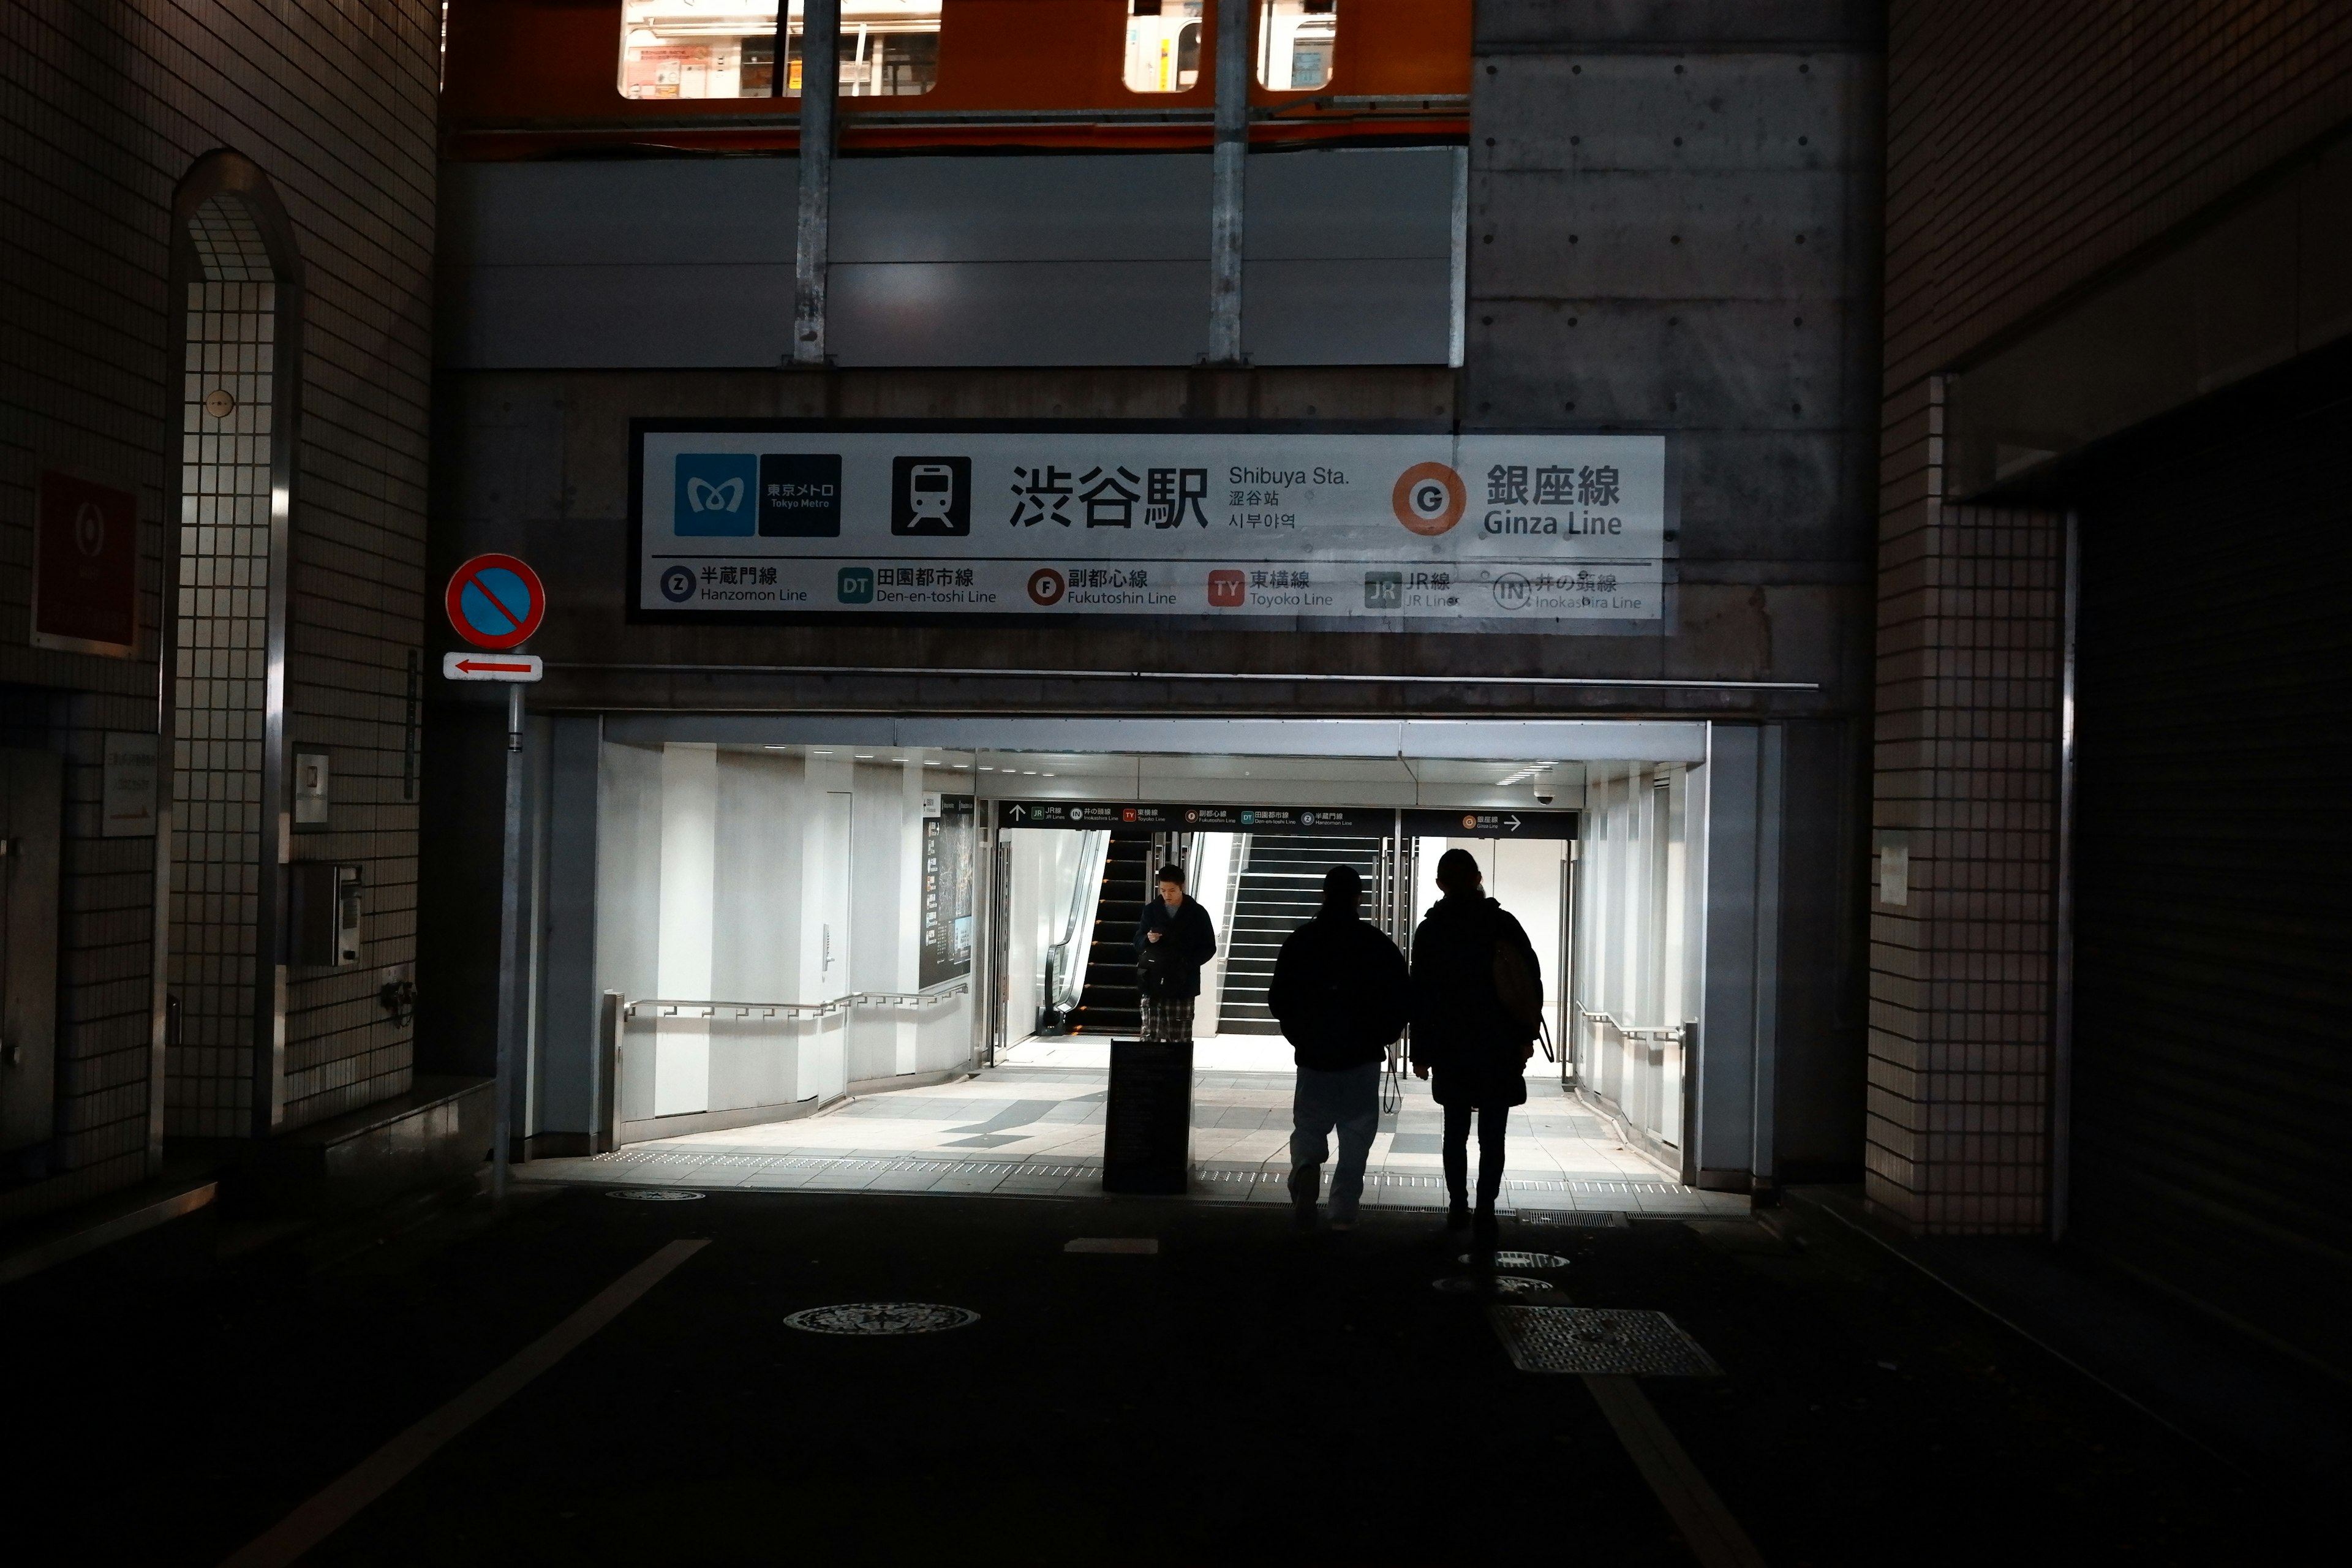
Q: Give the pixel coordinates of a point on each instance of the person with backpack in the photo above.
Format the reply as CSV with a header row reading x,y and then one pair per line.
x,y
1172,940
1341,992
1477,1004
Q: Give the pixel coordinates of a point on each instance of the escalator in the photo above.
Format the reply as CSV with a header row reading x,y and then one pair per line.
x,y
1281,887
1110,1004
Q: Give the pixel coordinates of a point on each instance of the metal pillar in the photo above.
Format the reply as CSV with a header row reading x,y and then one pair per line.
x,y
2062,1019
510,955
820,96
1232,145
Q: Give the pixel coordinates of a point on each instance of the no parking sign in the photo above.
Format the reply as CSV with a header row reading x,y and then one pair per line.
x,y
494,601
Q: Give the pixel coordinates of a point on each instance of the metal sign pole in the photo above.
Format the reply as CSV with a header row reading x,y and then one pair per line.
x,y
509,948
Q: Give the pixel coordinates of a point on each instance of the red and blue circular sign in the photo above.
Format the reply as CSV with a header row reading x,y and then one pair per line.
x,y
496,601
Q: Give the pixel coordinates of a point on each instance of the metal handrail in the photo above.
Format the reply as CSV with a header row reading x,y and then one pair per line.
x,y
769,1009
1630,1031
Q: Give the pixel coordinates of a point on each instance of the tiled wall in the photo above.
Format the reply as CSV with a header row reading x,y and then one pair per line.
x,y
111,102
220,651
1968,647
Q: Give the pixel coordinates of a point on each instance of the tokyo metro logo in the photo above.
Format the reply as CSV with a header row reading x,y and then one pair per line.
x,y
714,495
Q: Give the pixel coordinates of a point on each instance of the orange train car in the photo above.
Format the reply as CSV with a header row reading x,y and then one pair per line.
x,y
538,79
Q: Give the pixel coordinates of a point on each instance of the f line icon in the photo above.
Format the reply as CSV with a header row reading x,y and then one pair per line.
x,y
522,667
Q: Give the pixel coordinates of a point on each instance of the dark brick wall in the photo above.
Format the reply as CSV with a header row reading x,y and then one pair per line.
x,y
109,104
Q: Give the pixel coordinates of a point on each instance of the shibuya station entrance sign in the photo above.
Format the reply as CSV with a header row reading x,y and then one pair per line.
x,y
1419,532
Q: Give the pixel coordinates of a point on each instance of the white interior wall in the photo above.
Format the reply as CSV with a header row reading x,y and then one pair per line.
x,y
756,926
1526,878
1637,912
1215,869
689,829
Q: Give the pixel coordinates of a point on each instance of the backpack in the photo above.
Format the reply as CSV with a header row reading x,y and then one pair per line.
x,y
1517,989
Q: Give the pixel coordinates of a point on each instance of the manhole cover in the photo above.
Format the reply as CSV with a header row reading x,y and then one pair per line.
x,y
654,1195
1500,1285
882,1318
1599,1340
1518,1260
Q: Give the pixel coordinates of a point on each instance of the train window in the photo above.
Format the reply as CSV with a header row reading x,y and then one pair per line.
x,y
1163,45
1294,39
727,48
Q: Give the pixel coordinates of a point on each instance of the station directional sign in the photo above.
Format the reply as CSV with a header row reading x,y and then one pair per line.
x,y
1362,822
1427,821
522,667
496,601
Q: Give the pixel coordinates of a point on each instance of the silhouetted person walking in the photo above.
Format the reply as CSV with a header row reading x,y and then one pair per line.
x,y
1341,992
1172,940
1478,995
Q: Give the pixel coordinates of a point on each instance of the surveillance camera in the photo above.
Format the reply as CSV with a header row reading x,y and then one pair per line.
x,y
1543,792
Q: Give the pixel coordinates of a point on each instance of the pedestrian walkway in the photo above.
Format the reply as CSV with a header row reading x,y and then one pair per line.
x,y
1034,1127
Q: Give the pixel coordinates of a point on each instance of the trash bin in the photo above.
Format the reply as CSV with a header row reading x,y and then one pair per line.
x,y
1148,1122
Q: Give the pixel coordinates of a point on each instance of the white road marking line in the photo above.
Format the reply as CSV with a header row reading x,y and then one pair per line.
x,y
377,1474
1714,1537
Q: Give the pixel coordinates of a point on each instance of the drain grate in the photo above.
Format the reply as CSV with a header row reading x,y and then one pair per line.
x,y
1500,1285
1518,1260
1573,1219
654,1195
882,1318
1600,1339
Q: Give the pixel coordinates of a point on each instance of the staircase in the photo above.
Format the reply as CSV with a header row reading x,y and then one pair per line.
x,y
1281,889
1107,1004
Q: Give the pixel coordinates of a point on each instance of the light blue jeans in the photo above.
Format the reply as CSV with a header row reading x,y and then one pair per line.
x,y
1348,1097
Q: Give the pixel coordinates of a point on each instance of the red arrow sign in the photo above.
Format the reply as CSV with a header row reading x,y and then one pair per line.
x,y
490,667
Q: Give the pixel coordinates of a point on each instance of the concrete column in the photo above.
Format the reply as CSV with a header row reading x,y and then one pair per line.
x,y
1231,148
820,95
1963,840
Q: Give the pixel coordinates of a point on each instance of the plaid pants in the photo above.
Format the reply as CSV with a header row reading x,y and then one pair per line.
x,y
1168,1018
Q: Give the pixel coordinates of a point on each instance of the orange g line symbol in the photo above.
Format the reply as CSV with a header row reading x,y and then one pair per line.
x,y
1429,498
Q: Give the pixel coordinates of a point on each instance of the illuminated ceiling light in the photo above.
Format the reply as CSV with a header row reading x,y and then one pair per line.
x,y
864,756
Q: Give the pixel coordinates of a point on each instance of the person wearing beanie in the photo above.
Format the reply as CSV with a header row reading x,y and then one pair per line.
x,y
1340,991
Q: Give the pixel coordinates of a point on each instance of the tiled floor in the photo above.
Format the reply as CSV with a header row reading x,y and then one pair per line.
x,y
1035,1125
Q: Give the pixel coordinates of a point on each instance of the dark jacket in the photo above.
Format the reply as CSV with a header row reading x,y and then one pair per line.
x,y
1340,990
1476,1054
1190,941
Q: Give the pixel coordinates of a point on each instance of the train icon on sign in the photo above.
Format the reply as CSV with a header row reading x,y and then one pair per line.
x,y
931,496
